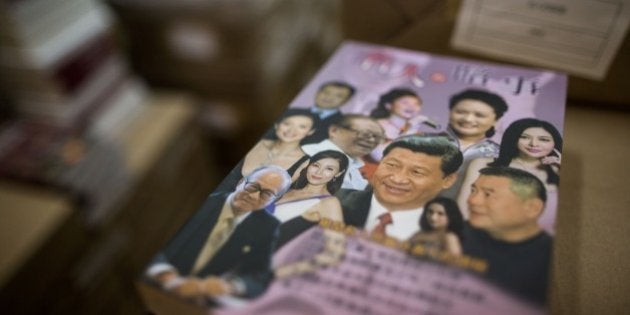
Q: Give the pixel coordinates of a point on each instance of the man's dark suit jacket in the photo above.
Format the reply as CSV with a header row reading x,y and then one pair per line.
x,y
355,205
321,128
246,254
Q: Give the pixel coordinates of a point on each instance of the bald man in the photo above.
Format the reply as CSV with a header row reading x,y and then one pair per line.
x,y
505,204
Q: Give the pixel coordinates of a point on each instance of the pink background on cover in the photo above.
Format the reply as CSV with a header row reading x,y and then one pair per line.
x,y
345,65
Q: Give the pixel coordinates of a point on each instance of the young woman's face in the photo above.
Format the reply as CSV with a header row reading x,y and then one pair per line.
x,y
436,216
472,118
322,171
294,128
406,106
535,142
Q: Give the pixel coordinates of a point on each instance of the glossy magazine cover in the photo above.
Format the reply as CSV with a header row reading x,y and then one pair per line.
x,y
396,181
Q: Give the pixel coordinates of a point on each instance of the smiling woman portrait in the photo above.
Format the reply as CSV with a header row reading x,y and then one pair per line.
x,y
473,115
398,113
310,197
532,145
282,147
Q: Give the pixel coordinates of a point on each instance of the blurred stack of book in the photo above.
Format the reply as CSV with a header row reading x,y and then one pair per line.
x,y
71,93
245,58
235,50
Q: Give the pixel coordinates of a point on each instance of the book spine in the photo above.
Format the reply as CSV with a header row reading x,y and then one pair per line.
x,y
36,20
65,112
46,54
58,83
72,71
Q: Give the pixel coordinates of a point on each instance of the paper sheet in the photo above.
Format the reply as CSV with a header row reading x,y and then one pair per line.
x,y
580,37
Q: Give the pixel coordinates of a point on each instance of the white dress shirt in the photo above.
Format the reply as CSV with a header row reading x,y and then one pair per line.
x,y
323,113
404,224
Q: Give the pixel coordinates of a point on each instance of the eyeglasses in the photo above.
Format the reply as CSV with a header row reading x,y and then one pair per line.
x,y
365,134
253,187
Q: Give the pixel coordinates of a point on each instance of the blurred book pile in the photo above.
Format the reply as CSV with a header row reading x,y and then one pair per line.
x,y
238,50
67,94
245,59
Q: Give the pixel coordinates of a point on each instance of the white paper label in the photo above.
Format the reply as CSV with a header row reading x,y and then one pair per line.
x,y
580,37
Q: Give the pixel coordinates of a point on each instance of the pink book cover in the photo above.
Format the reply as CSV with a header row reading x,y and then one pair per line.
x,y
396,182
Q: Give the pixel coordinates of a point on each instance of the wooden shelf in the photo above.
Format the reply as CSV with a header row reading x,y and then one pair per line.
x,y
29,217
52,261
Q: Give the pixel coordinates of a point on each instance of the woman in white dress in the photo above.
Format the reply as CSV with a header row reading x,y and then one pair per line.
x,y
398,113
534,146
282,147
311,197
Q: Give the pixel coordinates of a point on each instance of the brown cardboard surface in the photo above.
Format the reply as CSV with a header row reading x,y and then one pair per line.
x,y
147,137
590,273
29,217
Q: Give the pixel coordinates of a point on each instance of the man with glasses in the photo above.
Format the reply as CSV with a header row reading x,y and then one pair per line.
x,y
226,247
356,136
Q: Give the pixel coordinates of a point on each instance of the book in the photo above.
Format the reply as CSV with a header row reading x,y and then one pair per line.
x,y
38,34
74,97
62,79
85,159
396,181
57,67
69,109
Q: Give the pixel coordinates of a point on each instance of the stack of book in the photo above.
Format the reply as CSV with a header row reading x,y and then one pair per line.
x,y
58,59
64,74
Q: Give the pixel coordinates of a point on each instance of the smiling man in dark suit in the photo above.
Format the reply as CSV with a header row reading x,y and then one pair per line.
x,y
414,169
330,97
226,247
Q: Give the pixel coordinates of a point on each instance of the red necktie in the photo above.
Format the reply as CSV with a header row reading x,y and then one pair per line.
x,y
404,128
384,219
